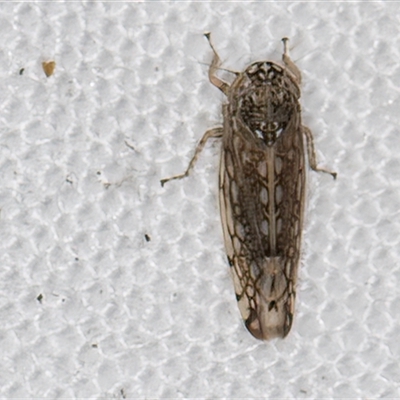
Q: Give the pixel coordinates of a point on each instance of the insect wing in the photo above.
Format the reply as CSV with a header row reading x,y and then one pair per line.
x,y
262,204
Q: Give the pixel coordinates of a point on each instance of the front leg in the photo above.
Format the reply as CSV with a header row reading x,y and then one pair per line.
x,y
290,65
215,63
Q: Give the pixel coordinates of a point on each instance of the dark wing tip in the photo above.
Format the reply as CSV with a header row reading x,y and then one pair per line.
x,y
255,327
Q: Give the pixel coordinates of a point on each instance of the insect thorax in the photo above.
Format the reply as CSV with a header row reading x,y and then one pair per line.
x,y
266,100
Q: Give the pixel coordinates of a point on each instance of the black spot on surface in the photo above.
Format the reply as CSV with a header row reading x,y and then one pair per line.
x,y
272,305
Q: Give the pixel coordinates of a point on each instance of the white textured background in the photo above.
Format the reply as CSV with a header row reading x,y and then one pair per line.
x,y
120,316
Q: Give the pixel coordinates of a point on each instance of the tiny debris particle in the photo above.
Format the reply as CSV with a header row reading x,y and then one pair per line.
x,y
40,298
129,145
48,67
147,237
21,71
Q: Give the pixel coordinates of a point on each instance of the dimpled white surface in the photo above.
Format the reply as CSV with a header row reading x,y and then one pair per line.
x,y
89,307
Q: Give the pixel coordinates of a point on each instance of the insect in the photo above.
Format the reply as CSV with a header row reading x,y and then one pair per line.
x,y
262,186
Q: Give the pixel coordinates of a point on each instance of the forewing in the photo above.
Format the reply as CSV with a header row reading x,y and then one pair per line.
x,y
261,202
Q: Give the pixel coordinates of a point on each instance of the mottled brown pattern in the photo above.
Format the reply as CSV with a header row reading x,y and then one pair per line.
x,y
262,189
262,186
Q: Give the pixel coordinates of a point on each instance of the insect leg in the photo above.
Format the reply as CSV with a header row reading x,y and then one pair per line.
x,y
215,63
210,133
312,158
290,65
